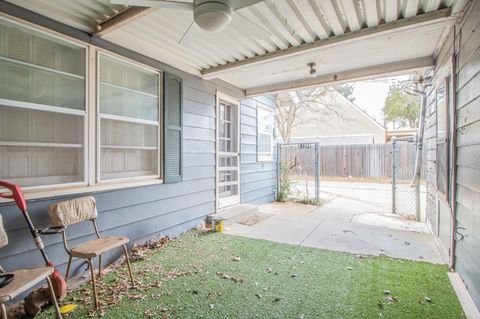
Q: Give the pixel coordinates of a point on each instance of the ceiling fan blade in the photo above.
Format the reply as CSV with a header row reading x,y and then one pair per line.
x,y
179,5
238,4
192,31
244,25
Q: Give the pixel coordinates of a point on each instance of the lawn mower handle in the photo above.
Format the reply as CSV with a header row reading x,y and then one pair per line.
x,y
16,195
59,283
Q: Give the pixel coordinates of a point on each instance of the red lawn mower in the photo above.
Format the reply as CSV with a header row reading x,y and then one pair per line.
x,y
35,300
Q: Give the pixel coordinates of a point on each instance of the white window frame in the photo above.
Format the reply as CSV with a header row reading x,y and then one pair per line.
x,y
54,109
99,116
234,199
90,113
261,157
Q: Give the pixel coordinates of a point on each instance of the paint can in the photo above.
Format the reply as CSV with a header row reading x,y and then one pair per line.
x,y
218,224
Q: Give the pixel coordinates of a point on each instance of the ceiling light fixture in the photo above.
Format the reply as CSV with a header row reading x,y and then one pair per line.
x,y
313,71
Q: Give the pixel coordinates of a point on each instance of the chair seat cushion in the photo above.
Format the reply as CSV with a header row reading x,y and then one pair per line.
x,y
96,247
23,280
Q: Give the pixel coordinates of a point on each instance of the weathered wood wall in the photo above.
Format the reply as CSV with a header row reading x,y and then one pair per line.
x,y
468,149
464,43
437,207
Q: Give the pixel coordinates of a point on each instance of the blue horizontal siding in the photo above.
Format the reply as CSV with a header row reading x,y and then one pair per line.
x,y
198,134
257,179
258,184
263,200
197,108
196,120
198,159
196,146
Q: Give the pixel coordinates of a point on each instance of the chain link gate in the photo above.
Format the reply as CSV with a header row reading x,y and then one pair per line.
x,y
298,172
405,197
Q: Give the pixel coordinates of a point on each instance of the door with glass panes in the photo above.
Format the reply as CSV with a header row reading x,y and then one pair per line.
x,y
228,152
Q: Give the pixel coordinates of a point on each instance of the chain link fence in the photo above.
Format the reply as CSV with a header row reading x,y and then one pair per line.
x,y
405,196
305,169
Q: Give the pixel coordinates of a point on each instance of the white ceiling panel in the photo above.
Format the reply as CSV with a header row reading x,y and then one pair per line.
x,y
81,14
292,23
382,49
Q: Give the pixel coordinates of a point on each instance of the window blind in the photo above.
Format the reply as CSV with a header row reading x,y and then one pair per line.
x,y
42,108
129,119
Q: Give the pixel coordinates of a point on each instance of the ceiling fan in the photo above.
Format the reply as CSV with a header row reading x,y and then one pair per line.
x,y
208,15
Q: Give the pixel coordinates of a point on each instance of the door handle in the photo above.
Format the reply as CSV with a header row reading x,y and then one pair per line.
x,y
458,236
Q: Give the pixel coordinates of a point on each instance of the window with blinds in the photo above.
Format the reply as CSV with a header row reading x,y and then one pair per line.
x,y
42,108
264,134
129,119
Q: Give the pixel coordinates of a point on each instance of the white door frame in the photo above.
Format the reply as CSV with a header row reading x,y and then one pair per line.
x,y
232,200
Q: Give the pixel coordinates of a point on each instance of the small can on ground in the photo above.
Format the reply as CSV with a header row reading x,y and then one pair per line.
x,y
218,224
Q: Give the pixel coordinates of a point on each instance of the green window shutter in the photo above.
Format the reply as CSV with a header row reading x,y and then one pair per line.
x,y
173,105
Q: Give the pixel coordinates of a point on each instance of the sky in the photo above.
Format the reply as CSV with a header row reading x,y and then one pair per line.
x,y
370,95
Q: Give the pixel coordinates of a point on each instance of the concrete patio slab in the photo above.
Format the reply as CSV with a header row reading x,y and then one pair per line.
x,y
390,220
346,225
373,240
282,229
287,208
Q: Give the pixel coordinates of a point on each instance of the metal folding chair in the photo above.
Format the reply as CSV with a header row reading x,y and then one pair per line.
x,y
78,210
22,280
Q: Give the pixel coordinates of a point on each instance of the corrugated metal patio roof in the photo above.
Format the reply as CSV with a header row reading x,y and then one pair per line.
x,y
83,15
343,35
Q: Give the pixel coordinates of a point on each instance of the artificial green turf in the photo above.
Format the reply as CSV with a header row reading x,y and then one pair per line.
x,y
303,283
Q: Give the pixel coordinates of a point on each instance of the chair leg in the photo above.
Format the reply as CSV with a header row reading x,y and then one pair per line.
x,y
99,266
128,265
4,311
92,273
68,267
58,315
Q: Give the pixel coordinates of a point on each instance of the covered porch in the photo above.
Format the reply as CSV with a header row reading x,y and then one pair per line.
x,y
164,123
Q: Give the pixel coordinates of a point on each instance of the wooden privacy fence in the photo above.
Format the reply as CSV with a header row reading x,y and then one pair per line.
x,y
358,161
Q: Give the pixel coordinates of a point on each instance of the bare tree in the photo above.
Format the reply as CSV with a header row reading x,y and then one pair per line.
x,y
285,117
288,107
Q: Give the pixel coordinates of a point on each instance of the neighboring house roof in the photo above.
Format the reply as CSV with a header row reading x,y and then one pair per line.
x,y
363,113
335,116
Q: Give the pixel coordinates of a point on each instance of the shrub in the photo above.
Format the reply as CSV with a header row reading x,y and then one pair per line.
x,y
285,186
